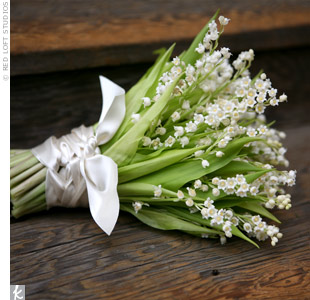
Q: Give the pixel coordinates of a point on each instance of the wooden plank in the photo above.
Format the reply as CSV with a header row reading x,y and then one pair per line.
x,y
62,254
61,35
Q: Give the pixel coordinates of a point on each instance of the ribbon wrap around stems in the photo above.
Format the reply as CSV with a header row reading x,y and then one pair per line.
x,y
75,165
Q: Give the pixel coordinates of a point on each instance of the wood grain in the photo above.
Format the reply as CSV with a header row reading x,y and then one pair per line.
x,y
65,35
62,254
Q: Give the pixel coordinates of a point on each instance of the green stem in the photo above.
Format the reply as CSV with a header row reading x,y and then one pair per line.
x,y
36,205
29,183
15,160
15,152
26,174
32,194
24,165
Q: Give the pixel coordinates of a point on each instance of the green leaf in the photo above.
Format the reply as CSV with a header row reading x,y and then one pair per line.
x,y
259,209
236,167
157,218
139,157
191,55
153,201
198,219
228,203
145,167
123,150
202,196
235,231
251,177
140,189
134,96
175,176
160,53
150,80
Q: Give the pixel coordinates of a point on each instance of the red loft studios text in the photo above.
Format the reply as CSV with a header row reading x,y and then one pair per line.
x,y
5,31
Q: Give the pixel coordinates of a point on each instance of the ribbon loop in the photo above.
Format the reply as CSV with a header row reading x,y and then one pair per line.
x,y
76,169
113,110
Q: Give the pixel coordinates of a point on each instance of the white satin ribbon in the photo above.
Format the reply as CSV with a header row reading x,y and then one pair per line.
x,y
74,163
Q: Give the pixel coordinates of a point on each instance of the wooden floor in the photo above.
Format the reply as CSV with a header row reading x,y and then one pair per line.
x,y
62,254
62,35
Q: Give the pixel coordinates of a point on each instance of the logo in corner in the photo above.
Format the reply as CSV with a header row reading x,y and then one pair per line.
x,y
17,292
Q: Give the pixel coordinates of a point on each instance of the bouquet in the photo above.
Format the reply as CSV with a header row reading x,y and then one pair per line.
x,y
187,148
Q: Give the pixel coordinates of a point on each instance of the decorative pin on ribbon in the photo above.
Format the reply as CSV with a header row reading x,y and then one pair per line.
x,y
75,165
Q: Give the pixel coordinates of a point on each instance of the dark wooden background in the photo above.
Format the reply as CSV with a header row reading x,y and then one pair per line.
x,y
58,49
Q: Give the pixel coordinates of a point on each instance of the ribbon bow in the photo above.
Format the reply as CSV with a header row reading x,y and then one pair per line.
x,y
74,163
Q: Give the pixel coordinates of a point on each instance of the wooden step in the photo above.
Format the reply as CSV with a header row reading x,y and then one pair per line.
x,y
65,35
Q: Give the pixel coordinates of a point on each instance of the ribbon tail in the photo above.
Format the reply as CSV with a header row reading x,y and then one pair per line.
x,y
101,176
